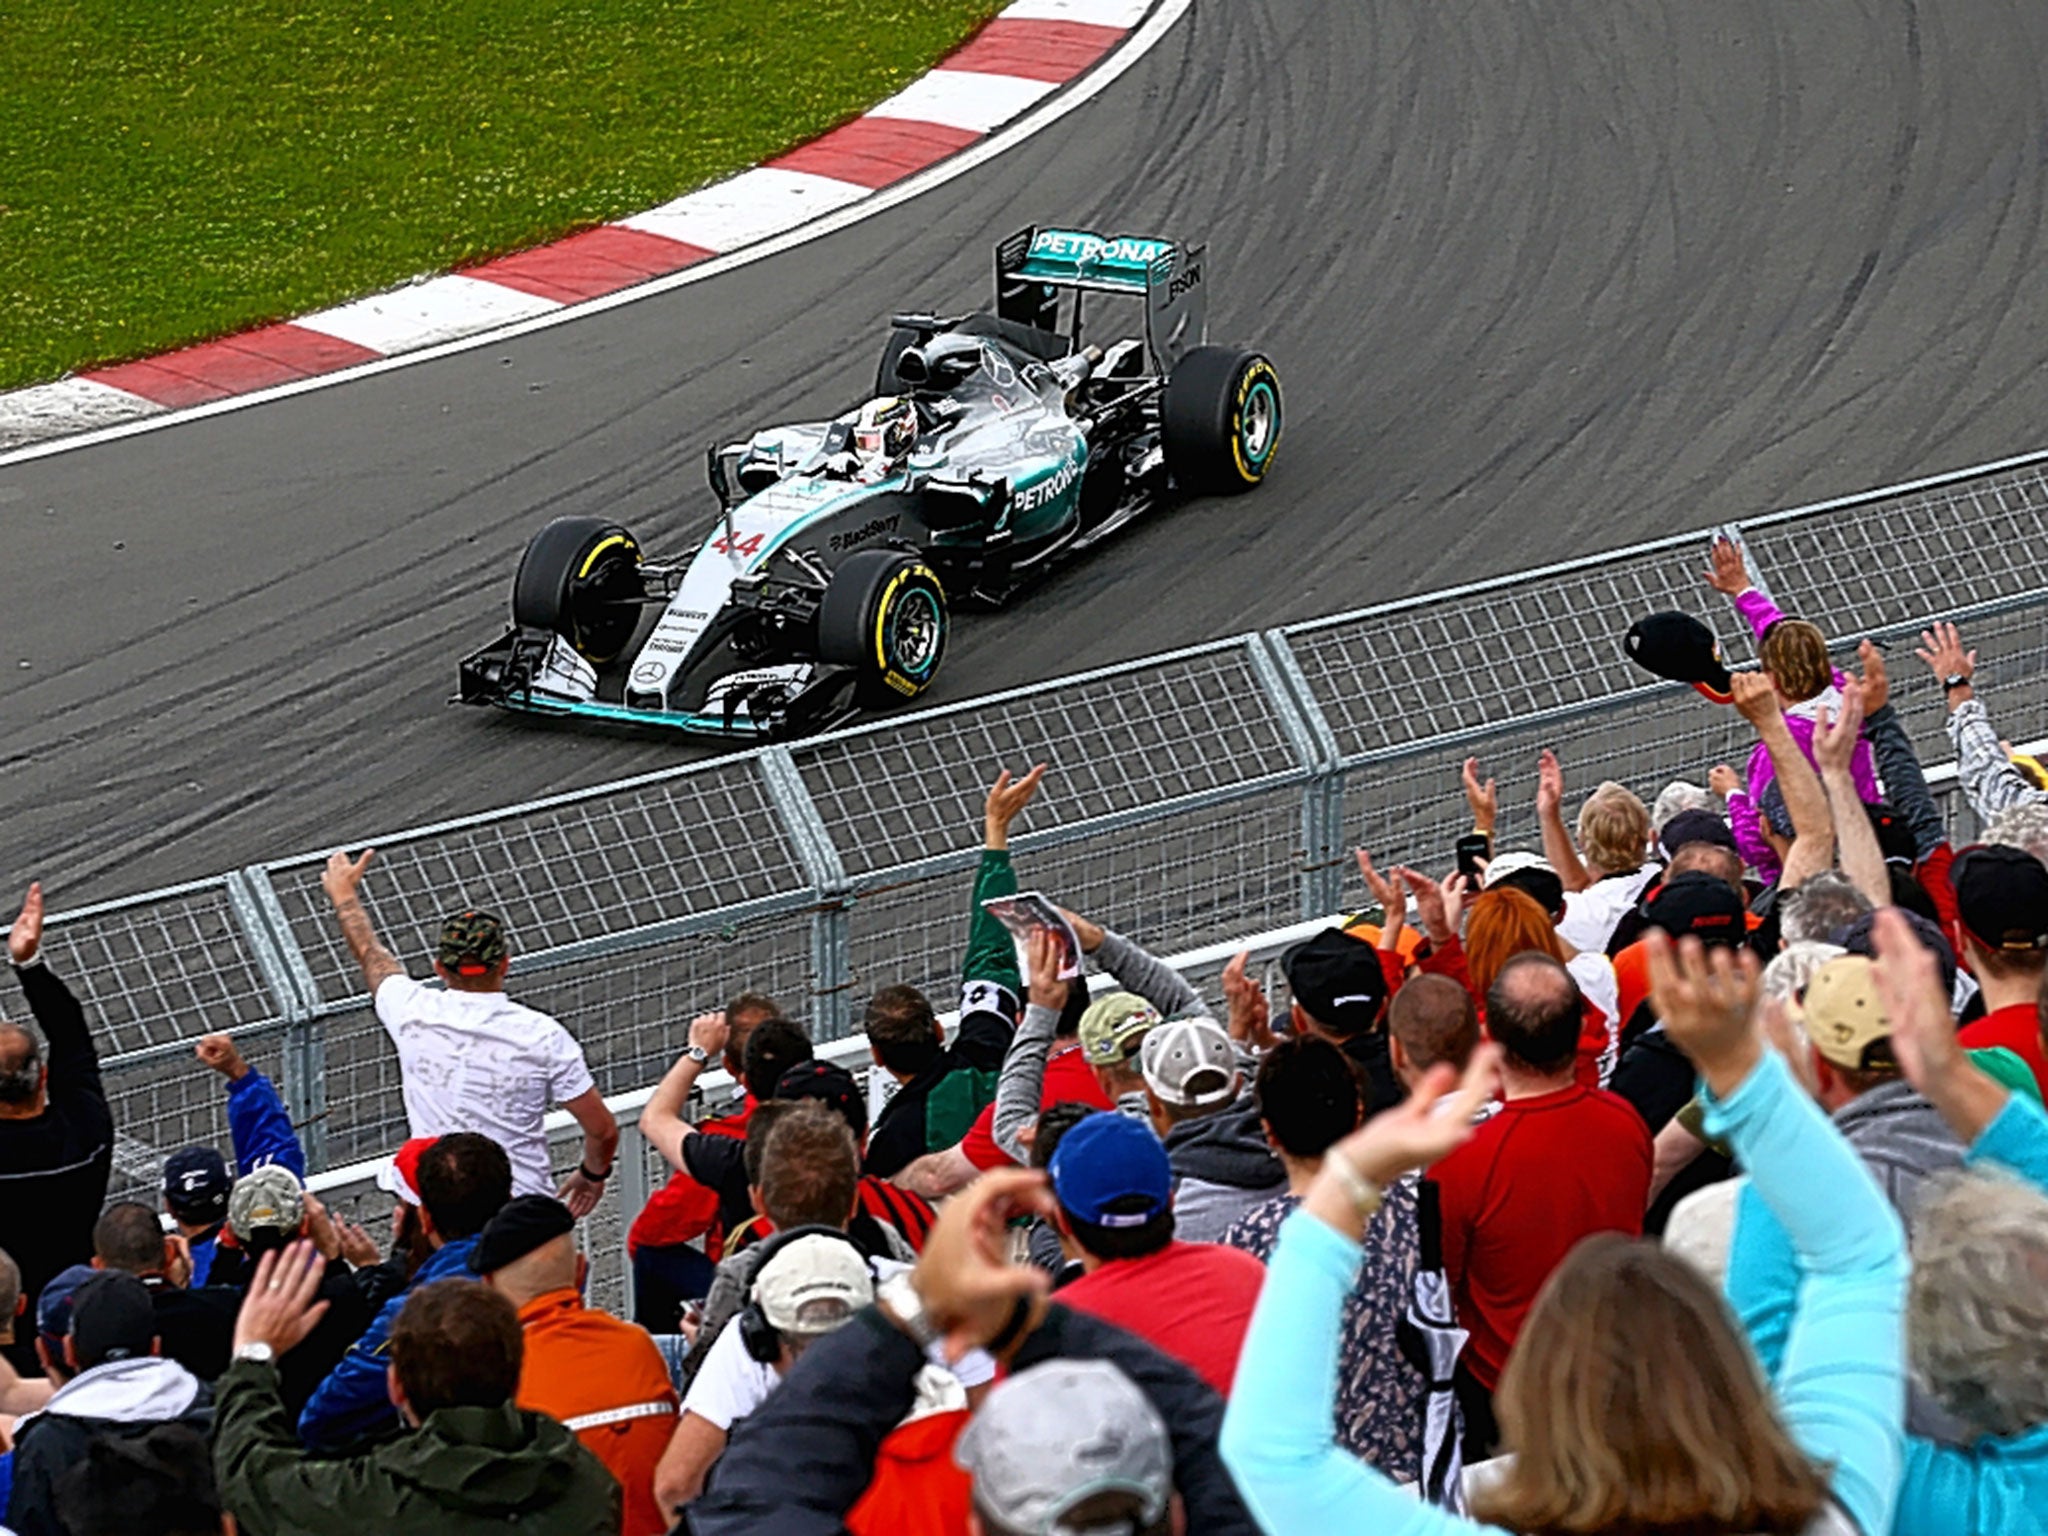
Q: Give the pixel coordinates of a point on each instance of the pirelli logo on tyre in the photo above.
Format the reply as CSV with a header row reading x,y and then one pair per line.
x,y
1255,420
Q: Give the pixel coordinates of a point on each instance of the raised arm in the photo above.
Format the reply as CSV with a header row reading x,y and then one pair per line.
x,y
73,1063
1279,1430
1905,783
1558,848
1987,775
991,952
1813,831
1841,1388
258,1122
662,1122
1022,1082
1834,749
342,881
1138,970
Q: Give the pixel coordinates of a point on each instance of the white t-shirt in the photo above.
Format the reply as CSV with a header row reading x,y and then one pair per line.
x,y
1592,915
1594,973
733,1383
477,1061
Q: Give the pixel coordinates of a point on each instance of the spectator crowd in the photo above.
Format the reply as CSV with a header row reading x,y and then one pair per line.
x,y
1686,1172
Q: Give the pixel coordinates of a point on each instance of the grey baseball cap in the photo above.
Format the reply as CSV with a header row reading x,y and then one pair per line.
x,y
1060,1433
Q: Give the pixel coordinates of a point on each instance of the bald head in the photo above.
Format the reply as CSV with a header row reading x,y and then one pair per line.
x,y
1709,858
1433,1019
550,1267
1533,1009
21,1071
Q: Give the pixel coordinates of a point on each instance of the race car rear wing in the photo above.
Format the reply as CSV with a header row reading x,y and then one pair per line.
x,y
1034,266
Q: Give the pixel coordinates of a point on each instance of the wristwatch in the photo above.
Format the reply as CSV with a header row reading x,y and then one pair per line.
x,y
256,1350
1366,1195
900,1299
1955,680
697,1053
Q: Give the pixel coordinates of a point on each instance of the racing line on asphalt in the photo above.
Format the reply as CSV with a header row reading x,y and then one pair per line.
x,y
1537,285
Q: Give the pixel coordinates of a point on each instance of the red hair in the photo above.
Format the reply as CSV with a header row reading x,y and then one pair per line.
x,y
1505,922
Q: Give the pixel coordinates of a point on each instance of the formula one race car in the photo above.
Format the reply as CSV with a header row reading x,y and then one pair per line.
x,y
997,444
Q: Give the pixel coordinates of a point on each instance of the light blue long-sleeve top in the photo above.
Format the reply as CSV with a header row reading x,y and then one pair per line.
x,y
1994,1487
1841,1390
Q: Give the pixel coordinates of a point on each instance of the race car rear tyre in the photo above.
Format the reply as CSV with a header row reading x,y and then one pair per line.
x,y
884,616
1220,420
580,577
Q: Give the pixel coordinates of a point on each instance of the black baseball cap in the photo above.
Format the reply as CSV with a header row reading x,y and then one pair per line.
x,y
1680,647
471,943
1700,826
1700,904
521,1225
2002,897
1894,837
196,1185
1337,980
830,1084
113,1317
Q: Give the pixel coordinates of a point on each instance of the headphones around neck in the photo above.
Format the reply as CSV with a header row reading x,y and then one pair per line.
x,y
762,1341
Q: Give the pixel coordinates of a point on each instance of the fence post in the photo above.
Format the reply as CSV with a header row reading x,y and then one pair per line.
x,y
831,926
1315,744
305,1041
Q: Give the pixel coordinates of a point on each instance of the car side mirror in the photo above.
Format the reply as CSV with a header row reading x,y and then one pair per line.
x,y
912,366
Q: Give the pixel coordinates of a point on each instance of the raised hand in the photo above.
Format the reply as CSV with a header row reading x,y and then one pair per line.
x,y
1724,781
1756,698
1707,999
278,1309
221,1054
964,1277
1430,905
711,1033
1916,1006
1482,799
1045,951
25,938
1090,934
1392,901
1549,784
1834,742
1728,575
343,876
1007,798
1877,682
1251,1015
1941,647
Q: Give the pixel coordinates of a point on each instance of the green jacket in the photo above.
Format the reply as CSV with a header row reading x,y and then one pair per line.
x,y
464,1472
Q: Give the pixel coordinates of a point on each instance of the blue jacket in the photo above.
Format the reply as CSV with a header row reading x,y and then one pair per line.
x,y
352,1404
263,1134
1841,1392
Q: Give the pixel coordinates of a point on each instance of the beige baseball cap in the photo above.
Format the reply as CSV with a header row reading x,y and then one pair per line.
x,y
1845,1018
1110,1026
813,1284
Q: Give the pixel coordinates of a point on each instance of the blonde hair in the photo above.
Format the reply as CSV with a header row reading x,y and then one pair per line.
x,y
1632,1404
1795,653
1614,829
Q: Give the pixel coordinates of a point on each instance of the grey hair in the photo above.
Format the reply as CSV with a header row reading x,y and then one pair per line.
x,y
1823,905
1794,965
19,1077
1977,1312
1678,797
2021,826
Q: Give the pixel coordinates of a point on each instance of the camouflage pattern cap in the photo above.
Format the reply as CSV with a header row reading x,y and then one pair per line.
x,y
471,943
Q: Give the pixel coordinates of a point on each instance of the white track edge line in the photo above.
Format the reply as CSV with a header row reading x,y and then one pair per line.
x,y
1077,94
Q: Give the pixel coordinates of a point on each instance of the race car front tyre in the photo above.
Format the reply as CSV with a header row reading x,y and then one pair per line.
x,y
580,577
884,616
1220,420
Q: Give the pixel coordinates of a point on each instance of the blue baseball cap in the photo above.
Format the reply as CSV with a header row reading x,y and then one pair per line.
x,y
53,1306
196,1185
1110,1158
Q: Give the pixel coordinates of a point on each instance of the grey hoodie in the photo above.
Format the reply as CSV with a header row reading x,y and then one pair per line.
x,y
122,1397
1222,1168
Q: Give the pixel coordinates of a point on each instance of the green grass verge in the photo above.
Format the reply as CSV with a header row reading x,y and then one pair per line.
x,y
172,171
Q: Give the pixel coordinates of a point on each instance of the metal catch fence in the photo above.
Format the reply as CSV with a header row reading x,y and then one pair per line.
x,y
1193,796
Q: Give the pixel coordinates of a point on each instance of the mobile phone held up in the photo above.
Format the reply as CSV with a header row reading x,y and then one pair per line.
x,y
1475,851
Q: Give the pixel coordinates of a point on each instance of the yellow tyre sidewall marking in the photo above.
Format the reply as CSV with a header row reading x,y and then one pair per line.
x,y
1260,371
893,678
590,560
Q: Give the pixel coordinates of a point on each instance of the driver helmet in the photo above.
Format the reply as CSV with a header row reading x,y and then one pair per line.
x,y
884,432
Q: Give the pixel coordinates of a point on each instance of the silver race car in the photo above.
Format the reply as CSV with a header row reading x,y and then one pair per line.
x,y
997,444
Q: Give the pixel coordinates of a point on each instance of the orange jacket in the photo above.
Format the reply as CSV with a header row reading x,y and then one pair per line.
x,y
583,1367
918,1489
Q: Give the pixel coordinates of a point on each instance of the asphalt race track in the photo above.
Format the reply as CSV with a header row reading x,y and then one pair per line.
x,y
1540,280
